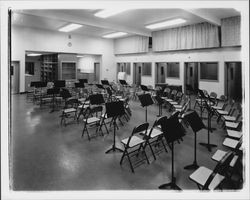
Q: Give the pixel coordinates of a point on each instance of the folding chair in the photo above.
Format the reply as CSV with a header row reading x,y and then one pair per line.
x,y
70,110
93,117
133,145
155,137
207,179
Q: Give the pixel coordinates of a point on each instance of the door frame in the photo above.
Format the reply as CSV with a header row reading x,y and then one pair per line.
x,y
226,76
185,73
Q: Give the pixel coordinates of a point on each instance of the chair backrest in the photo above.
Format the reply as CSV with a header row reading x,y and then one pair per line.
x,y
141,128
71,103
220,168
213,95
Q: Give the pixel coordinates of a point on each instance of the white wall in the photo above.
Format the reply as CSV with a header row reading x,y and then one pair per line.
x,y
214,55
31,39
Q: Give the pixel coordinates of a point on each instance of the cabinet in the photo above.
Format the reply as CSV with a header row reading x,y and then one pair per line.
x,y
49,67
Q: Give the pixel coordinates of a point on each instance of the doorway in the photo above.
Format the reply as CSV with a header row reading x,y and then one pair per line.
x,y
161,72
191,75
97,72
14,76
137,73
233,80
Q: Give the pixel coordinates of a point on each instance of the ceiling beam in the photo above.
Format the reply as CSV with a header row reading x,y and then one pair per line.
x,y
205,15
102,23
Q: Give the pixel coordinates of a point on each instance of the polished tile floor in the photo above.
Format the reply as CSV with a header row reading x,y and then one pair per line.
x,y
48,156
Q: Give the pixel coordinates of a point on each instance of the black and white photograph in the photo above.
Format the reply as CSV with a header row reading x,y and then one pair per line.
x,y
124,99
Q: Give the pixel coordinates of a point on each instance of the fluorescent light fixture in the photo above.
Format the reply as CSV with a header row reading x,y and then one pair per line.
x,y
70,27
166,23
79,56
109,12
114,35
34,54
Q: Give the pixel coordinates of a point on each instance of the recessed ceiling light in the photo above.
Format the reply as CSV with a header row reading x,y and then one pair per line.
x,y
70,27
108,12
166,23
34,54
114,35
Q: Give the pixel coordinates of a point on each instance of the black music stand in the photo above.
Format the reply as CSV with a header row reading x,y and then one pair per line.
x,y
53,91
96,99
59,84
146,101
105,82
160,102
79,86
203,100
83,80
173,131
114,110
210,114
196,124
144,88
99,86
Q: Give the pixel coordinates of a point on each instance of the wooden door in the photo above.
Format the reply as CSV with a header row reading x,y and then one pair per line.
x,y
161,73
191,75
97,72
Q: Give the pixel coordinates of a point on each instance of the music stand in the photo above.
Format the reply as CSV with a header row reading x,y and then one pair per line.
x,y
196,124
83,80
172,131
96,99
105,82
53,92
146,101
144,88
210,114
203,100
59,84
160,102
114,110
100,86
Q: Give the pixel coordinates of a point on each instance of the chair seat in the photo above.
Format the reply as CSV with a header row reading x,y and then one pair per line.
x,y
234,134
222,112
232,124
229,118
133,142
178,106
83,106
92,120
155,132
173,103
69,110
217,107
219,154
230,143
201,175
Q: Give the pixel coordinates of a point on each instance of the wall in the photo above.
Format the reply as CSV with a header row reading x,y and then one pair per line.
x,y
37,72
31,39
219,55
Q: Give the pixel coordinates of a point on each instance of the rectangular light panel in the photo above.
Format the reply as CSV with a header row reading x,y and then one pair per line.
x,y
114,35
166,23
70,27
108,12
34,54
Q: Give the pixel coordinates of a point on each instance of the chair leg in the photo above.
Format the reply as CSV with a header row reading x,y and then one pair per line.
x,y
130,163
151,150
124,152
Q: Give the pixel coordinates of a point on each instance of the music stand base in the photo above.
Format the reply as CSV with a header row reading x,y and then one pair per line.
x,y
171,185
192,166
208,146
114,149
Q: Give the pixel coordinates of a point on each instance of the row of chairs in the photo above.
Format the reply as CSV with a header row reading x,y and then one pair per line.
x,y
229,162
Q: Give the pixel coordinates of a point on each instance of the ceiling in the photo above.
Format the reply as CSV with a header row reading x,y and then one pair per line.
x,y
130,21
